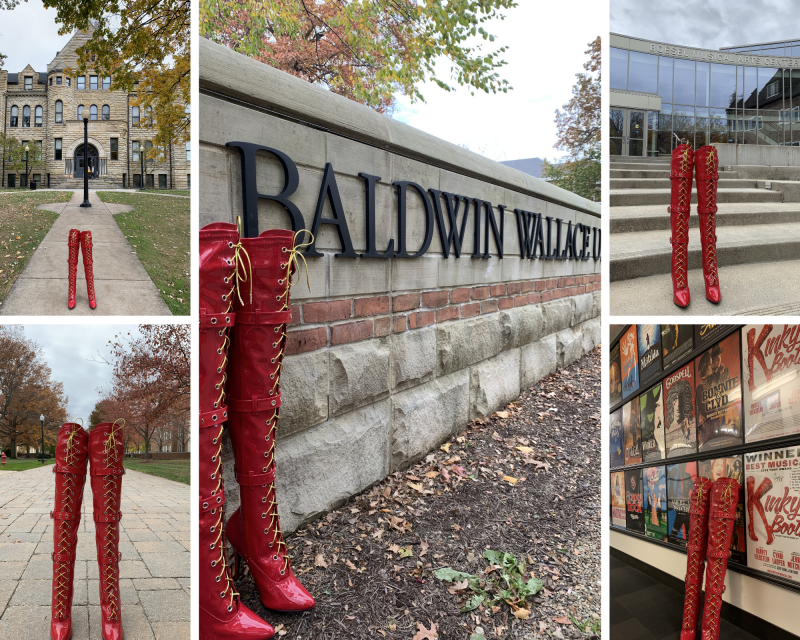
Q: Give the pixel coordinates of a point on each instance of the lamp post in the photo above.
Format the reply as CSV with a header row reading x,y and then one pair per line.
x,y
41,419
141,159
27,148
85,116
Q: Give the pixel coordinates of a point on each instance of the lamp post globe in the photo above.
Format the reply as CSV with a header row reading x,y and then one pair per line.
x,y
27,148
85,117
41,419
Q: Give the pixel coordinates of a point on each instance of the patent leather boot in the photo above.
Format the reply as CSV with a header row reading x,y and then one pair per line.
x,y
72,263
254,391
106,451
88,266
70,471
706,166
222,615
721,517
754,500
699,499
681,174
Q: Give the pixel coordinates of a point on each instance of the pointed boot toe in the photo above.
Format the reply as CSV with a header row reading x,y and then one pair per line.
x,y
112,631
713,294
681,297
287,595
242,625
61,629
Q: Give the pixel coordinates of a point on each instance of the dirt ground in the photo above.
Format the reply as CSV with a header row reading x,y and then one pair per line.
x,y
525,481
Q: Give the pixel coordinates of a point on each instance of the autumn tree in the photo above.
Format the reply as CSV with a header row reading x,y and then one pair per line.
x,y
365,50
579,133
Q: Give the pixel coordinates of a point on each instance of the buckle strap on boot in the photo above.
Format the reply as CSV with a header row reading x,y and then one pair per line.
x,y
252,480
213,418
116,516
107,471
213,502
255,405
64,515
264,317
63,556
209,320
107,560
78,471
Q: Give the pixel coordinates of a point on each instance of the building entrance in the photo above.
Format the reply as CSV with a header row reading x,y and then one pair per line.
x,y
93,161
628,132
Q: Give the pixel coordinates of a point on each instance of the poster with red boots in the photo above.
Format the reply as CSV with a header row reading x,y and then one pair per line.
x,y
771,380
772,495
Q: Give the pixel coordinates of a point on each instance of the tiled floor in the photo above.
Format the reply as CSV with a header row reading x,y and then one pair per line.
x,y
154,570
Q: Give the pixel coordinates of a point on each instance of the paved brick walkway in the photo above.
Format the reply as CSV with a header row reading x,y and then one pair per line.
x,y
154,571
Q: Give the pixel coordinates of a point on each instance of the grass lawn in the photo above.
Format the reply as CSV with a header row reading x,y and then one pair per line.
x,y
158,230
22,228
177,470
24,463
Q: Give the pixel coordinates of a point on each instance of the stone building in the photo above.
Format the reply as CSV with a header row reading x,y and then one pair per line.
x,y
43,107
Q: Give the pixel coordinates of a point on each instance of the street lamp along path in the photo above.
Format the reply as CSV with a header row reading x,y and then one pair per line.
x,y
41,419
85,116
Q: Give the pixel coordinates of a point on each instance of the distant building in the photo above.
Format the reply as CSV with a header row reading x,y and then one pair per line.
x,y
531,166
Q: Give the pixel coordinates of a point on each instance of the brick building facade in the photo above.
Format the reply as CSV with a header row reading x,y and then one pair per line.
x,y
43,107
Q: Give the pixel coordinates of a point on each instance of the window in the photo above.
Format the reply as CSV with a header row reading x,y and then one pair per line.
x,y
28,83
81,82
148,156
80,108
58,149
93,112
135,116
37,179
150,181
772,89
58,79
15,116
38,143
188,180
51,82
188,151
26,116
93,82
59,111
137,180
69,82
106,83
135,151
106,112
38,115
162,180
115,148
12,180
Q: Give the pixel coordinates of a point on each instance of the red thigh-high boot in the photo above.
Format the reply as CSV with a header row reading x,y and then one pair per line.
x,y
72,262
721,517
706,166
70,470
222,615
682,169
88,266
754,500
695,556
254,390
105,467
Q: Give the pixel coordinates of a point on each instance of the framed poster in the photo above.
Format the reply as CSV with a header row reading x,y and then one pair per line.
x,y
648,340
680,482
654,498
615,377
772,494
634,519
706,334
618,499
651,419
681,432
676,343
729,468
718,395
615,421
771,380
629,361
632,432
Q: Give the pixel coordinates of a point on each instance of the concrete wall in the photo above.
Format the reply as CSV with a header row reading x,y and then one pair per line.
x,y
763,155
387,358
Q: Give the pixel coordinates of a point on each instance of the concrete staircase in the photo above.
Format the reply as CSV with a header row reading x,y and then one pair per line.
x,y
758,244
103,182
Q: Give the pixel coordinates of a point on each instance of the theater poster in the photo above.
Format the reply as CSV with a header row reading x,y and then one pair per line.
x,y
676,343
618,499
634,520
718,395
705,334
772,492
632,432
729,468
771,380
654,499
615,376
629,361
617,457
648,340
651,417
680,482
679,416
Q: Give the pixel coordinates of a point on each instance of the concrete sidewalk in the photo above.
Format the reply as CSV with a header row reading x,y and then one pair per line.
x,y
121,284
154,570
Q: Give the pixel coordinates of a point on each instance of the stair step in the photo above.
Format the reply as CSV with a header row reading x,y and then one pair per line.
x,y
639,159
631,197
656,217
617,184
658,173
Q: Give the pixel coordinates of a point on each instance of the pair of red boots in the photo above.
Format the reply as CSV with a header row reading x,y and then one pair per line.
x,y
101,452
80,240
244,311
712,513
703,165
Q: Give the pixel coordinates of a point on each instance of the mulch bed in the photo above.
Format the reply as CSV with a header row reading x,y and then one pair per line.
x,y
524,481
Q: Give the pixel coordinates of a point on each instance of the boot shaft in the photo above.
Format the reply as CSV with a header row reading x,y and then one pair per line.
x,y
88,266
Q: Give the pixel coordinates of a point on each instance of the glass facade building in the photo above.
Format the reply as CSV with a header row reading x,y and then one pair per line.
x,y
704,101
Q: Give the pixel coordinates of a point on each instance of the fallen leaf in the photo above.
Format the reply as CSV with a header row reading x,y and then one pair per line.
x,y
423,548
522,614
406,552
510,479
416,487
426,634
562,620
502,414
350,565
525,449
431,474
458,586
459,470
319,561
395,548
446,447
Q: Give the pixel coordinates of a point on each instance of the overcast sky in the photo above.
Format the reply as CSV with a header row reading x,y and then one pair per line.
x,y
71,351
29,35
707,25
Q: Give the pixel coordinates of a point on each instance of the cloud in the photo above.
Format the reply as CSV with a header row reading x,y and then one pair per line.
x,y
29,35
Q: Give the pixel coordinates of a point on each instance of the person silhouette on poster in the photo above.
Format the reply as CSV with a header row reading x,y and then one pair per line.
x,y
680,527
679,409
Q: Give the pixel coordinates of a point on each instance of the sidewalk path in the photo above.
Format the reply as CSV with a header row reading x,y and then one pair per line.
x,y
154,571
121,284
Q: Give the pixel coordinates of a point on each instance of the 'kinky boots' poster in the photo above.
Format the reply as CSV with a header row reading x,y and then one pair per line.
x,y
618,499
648,339
632,432
651,417
655,503
771,380
676,343
718,395
772,492
729,468
629,361
633,501
617,457
678,392
680,482
705,334
615,377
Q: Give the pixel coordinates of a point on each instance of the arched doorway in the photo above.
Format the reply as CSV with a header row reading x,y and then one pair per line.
x,y
78,164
